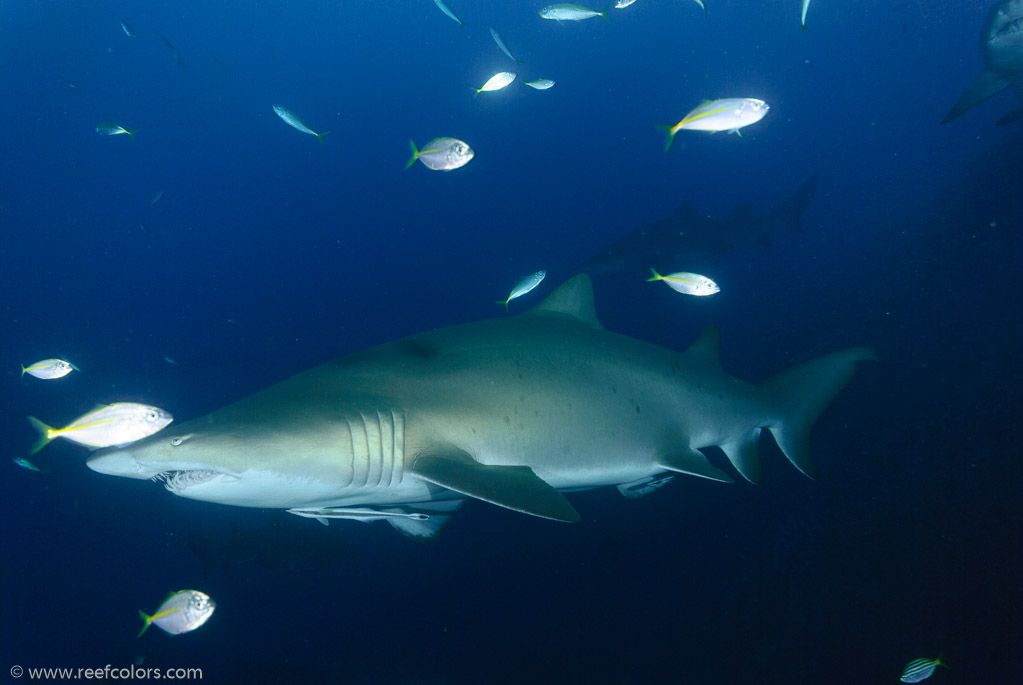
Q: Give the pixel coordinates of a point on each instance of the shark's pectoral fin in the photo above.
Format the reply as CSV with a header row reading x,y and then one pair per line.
x,y
986,85
693,463
513,487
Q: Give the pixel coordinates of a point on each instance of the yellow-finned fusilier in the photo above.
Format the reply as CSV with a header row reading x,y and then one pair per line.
x,y
106,426
180,612
447,10
540,83
524,286
441,154
568,11
128,31
687,283
920,669
727,114
497,82
110,128
802,18
48,369
296,122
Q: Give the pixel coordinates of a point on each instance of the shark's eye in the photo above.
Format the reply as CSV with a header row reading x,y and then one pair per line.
x,y
177,441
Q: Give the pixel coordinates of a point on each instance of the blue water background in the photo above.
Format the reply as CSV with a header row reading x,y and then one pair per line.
x,y
270,253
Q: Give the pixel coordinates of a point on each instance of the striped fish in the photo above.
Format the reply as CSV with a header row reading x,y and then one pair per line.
x,y
920,669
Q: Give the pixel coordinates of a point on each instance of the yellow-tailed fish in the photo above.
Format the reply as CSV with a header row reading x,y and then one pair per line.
x,y
567,11
447,10
48,369
109,128
802,19
295,121
687,283
497,82
727,114
441,154
920,669
181,612
128,31
106,426
523,287
540,83
504,46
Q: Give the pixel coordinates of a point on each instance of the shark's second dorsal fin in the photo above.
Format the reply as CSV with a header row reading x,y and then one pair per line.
x,y
708,346
574,299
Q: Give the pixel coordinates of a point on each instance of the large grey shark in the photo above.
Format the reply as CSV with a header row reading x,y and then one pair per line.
x,y
1001,44
514,411
685,241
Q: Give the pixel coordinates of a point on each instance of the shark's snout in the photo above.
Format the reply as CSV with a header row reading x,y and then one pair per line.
x,y
118,462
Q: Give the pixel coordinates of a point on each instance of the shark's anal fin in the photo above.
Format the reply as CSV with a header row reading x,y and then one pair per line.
x,y
694,463
513,487
440,514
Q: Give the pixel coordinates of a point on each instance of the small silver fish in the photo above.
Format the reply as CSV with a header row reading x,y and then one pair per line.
x,y
156,198
504,46
48,369
447,10
442,154
497,82
181,612
107,425
128,31
687,283
802,18
109,128
540,83
295,121
920,669
622,4
567,11
523,287
25,464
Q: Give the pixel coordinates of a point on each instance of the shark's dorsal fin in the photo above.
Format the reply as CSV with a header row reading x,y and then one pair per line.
x,y
708,346
574,299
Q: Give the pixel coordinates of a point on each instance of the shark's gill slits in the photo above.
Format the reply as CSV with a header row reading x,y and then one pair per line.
x,y
176,481
377,447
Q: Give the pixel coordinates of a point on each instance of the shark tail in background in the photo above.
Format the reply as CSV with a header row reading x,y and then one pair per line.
x,y
790,211
799,396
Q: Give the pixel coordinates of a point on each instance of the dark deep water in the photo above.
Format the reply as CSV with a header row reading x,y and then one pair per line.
x,y
269,253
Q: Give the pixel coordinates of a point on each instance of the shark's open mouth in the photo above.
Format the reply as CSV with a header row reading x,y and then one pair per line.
x,y
177,481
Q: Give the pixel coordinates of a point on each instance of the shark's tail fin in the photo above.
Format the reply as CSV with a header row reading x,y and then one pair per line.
x,y
790,211
801,394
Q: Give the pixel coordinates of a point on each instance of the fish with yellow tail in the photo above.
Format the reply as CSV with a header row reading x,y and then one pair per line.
x,y
296,122
110,128
105,426
180,612
523,287
727,114
687,283
441,154
49,369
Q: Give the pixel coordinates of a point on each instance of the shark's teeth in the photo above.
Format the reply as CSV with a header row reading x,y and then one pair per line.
x,y
176,481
